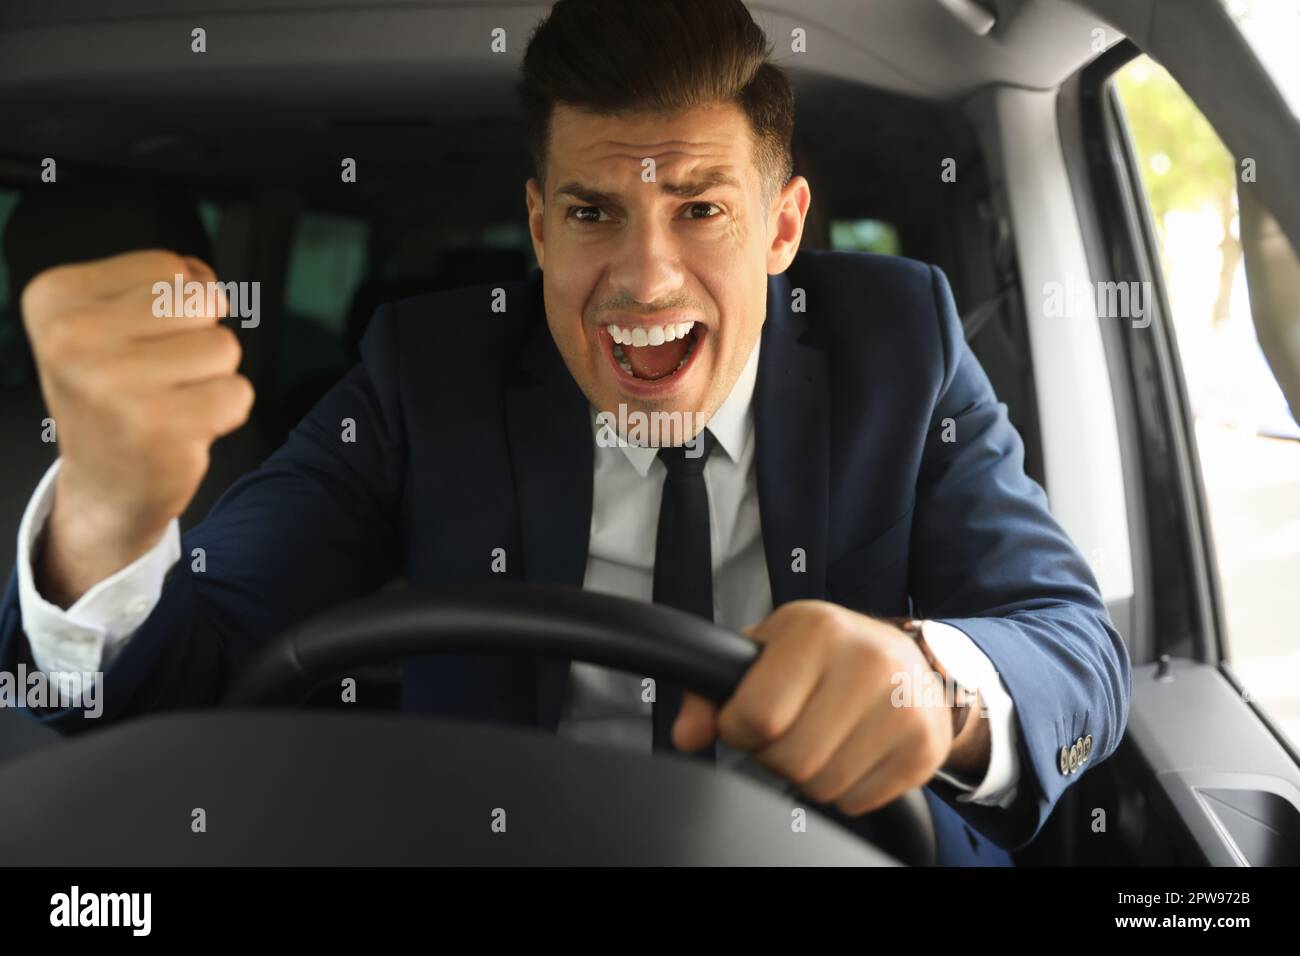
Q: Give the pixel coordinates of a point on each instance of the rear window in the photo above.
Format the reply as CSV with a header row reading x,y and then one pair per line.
x,y
327,262
13,370
865,235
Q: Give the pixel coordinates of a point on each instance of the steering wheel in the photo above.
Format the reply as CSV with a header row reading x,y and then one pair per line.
x,y
507,617
276,785
547,620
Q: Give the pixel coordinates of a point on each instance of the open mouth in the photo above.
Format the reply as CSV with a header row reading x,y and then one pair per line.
x,y
654,354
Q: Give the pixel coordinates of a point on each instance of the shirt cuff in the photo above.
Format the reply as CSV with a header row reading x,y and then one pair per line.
x,y
971,668
85,637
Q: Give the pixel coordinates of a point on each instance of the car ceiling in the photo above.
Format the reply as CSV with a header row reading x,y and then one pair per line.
x,y
415,86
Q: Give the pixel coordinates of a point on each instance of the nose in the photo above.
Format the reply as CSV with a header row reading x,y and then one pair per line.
x,y
646,266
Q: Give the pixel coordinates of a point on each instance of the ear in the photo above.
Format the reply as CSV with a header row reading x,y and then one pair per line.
x,y
785,224
536,217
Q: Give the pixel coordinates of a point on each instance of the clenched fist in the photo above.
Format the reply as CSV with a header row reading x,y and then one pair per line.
x,y
137,401
818,707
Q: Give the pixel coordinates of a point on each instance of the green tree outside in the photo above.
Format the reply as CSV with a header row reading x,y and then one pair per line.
x,y
1199,169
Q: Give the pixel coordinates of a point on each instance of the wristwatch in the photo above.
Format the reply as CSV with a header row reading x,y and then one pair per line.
x,y
964,700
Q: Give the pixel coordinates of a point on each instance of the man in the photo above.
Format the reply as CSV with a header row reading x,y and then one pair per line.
x,y
841,459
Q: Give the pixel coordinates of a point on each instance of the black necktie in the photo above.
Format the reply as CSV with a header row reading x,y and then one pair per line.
x,y
683,562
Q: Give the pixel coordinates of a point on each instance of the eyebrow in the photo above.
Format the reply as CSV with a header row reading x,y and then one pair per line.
x,y
683,190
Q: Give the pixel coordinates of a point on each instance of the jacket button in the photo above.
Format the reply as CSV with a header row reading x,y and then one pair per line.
x,y
1065,762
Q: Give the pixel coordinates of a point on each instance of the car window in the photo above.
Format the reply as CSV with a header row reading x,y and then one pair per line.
x,y
12,370
865,235
210,213
327,262
1248,441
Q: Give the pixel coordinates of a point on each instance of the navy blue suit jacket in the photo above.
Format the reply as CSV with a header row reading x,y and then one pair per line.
x,y
471,435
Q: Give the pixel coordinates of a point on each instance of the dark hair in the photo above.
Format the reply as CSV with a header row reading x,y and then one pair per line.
x,y
616,57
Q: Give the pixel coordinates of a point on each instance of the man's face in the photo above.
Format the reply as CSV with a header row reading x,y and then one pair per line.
x,y
656,286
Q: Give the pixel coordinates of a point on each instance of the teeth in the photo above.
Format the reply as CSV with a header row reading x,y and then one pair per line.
x,y
655,335
621,357
686,355
622,360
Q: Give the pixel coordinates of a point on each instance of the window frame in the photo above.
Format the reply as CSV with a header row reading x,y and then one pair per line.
x,y
1176,585
1151,394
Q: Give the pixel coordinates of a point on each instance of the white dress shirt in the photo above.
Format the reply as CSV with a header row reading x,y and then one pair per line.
x,y
603,705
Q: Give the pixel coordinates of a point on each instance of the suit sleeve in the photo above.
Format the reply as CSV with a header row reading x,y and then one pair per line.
x,y
315,525
989,559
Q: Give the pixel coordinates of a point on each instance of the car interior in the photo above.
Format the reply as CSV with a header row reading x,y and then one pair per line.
x,y
237,160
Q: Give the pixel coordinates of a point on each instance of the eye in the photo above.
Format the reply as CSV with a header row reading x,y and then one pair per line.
x,y
700,210
583,213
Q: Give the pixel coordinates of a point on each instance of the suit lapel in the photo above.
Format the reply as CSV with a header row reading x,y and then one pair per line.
x,y
549,428
792,432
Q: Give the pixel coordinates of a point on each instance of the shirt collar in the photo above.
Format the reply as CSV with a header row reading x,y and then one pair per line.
x,y
731,424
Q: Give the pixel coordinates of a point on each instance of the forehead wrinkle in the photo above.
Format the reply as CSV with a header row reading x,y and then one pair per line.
x,y
684,188
684,167
690,181
662,158
679,145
